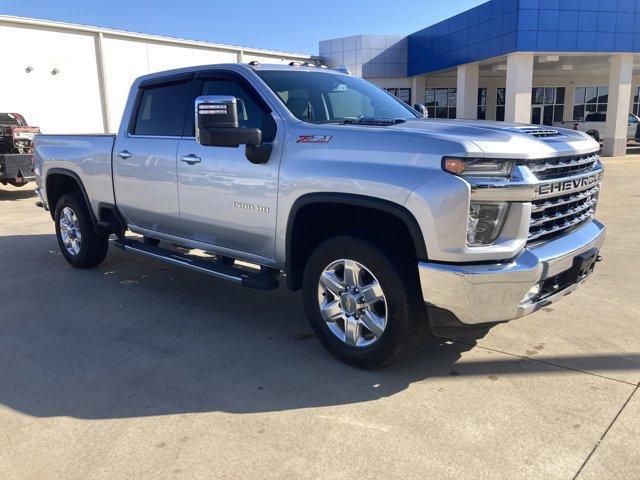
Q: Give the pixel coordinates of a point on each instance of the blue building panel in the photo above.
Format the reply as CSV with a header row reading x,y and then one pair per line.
x,y
499,27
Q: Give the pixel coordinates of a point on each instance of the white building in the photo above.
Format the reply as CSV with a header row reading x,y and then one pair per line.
x,y
69,78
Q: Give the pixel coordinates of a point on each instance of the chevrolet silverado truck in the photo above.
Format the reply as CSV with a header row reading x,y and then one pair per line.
x,y
392,225
16,142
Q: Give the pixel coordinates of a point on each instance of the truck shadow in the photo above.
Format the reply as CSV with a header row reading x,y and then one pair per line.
x,y
13,193
135,338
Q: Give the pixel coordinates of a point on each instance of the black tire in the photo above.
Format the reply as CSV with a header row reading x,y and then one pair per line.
x,y
594,134
398,277
93,245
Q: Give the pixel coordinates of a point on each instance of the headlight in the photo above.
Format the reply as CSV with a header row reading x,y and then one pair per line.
x,y
478,167
485,222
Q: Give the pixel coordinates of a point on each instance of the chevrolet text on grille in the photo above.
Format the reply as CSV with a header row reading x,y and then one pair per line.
x,y
569,185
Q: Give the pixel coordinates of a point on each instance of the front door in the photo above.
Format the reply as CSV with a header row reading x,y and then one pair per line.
x,y
225,200
144,158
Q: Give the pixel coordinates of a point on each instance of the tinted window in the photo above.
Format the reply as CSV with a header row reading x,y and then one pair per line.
x,y
161,110
320,97
11,119
596,117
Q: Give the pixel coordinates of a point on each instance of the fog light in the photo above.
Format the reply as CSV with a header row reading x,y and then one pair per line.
x,y
485,222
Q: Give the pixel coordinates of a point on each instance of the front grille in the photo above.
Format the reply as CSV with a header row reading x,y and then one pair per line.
x,y
558,167
552,216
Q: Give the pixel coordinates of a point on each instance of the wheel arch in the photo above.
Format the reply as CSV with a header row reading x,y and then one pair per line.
x,y
306,208
60,181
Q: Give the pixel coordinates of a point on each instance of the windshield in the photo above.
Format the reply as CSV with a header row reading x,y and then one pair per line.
x,y
321,97
10,119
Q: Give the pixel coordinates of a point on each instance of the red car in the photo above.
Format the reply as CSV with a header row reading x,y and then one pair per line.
x,y
16,146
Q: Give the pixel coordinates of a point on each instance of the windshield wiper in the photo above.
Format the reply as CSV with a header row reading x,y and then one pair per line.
x,y
373,121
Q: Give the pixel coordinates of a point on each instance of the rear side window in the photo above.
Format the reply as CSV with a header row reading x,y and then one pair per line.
x,y
161,110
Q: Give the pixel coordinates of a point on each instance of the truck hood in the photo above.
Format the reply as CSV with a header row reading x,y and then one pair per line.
x,y
505,140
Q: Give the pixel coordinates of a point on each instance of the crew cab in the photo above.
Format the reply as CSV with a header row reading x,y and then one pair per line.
x,y
392,225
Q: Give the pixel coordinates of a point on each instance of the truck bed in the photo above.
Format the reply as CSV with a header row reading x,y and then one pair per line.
x,y
87,156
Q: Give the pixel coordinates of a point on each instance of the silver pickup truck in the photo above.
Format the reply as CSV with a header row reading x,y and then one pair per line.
x,y
391,224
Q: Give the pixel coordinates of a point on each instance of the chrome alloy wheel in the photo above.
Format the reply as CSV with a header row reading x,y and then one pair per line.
x,y
352,303
70,231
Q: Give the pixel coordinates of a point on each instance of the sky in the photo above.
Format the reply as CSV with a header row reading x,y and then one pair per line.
x,y
287,25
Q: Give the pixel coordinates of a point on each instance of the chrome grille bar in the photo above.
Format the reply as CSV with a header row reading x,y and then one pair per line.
x,y
562,166
572,211
576,221
558,201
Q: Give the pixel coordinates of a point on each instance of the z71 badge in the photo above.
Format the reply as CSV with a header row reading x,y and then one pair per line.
x,y
314,139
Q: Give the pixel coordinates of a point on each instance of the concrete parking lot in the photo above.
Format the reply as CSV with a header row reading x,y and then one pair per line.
x,y
137,370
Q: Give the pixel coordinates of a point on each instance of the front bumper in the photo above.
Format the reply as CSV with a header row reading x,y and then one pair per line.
x,y
497,292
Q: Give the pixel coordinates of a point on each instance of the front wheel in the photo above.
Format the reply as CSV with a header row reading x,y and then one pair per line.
x,y
79,242
363,301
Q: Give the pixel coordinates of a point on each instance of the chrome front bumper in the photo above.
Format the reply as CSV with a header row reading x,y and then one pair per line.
x,y
497,292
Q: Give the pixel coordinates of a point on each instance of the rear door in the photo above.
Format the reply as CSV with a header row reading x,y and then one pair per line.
x,y
225,200
144,159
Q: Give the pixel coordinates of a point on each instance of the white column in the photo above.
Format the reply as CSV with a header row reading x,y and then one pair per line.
x,y
102,83
467,106
615,136
519,84
417,89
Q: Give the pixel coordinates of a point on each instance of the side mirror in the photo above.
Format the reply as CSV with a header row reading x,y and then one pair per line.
x,y
422,110
216,123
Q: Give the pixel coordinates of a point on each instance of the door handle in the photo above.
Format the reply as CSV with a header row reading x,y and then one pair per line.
x,y
124,154
190,159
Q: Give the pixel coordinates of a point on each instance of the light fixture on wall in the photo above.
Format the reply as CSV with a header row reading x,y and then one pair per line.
x,y
548,58
29,69
499,68
55,71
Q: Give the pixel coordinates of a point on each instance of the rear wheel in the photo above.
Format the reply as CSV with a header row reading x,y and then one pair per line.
x,y
79,242
362,301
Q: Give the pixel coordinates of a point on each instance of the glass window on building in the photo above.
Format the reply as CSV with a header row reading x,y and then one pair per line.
x,y
636,102
501,95
441,102
403,94
590,100
547,105
482,104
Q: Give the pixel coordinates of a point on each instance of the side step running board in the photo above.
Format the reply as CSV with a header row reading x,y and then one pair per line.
x,y
258,280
